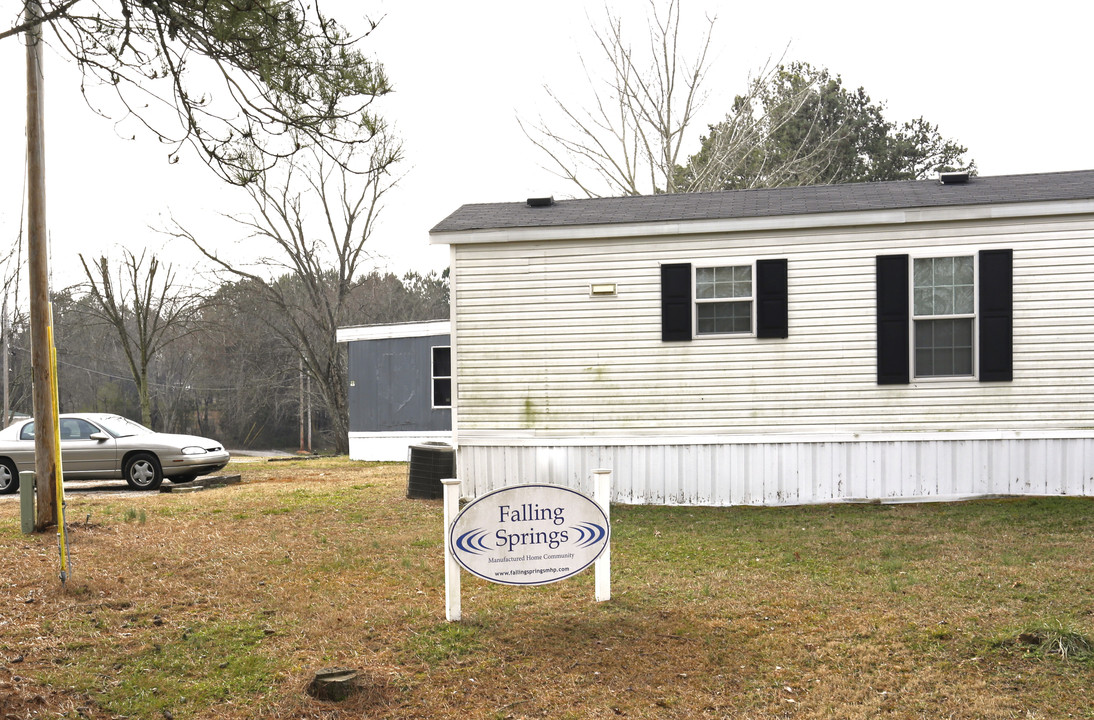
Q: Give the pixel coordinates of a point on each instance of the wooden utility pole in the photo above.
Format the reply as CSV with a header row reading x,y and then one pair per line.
x,y
45,434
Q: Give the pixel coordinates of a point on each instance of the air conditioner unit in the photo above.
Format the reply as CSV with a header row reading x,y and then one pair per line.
x,y
429,464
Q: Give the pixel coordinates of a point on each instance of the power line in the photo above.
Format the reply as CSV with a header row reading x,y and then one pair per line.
x,y
124,378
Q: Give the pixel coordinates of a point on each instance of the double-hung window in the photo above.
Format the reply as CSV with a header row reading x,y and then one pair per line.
x,y
442,377
740,299
944,315
949,316
723,300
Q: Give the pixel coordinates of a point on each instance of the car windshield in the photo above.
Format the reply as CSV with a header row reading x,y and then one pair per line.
x,y
121,427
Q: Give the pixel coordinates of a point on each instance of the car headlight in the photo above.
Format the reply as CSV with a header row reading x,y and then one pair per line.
x,y
193,450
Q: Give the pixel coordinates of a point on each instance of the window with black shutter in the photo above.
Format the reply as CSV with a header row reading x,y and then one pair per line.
x,y
740,299
945,316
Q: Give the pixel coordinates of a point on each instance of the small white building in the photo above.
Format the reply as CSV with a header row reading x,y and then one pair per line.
x,y
889,341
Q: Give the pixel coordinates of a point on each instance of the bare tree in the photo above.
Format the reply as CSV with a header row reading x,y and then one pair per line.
x,y
242,80
741,152
12,264
147,309
245,385
630,142
312,223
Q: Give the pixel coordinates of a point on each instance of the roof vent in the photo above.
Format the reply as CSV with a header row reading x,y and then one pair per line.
x,y
954,178
541,202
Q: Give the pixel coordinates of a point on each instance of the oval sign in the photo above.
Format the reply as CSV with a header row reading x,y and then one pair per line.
x,y
529,534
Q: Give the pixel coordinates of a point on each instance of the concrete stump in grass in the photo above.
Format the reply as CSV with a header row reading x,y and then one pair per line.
x,y
333,684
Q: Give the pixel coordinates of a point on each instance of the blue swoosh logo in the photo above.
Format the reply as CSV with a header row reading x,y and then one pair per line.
x,y
589,534
472,542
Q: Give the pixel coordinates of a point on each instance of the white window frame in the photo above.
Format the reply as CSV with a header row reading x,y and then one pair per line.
x,y
750,263
433,377
974,253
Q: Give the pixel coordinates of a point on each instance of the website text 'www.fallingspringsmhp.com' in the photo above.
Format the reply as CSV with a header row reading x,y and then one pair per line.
x,y
532,571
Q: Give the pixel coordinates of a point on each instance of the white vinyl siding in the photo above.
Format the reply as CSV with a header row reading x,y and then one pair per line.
x,y
540,358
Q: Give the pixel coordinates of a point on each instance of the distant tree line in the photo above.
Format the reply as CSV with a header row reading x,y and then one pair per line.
x,y
220,368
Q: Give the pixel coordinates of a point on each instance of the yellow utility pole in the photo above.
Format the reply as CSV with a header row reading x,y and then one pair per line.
x,y
62,538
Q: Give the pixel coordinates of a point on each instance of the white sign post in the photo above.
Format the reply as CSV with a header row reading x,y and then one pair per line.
x,y
527,535
451,567
602,493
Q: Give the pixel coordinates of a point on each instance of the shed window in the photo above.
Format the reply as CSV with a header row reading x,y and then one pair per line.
x,y
723,300
442,377
944,311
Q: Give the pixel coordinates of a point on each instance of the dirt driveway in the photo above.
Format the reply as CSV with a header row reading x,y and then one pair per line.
x,y
90,488
119,488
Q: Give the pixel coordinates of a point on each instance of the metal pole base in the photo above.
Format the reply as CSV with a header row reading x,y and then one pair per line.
x,y
26,501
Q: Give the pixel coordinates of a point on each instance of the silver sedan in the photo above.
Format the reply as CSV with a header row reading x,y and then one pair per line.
x,y
100,445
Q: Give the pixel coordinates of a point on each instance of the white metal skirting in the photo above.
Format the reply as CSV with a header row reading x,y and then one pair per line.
x,y
390,446
793,473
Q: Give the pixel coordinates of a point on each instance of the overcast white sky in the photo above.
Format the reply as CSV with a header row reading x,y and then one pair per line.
x,y
1011,81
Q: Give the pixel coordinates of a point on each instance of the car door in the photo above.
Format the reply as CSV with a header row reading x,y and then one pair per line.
x,y
23,453
82,455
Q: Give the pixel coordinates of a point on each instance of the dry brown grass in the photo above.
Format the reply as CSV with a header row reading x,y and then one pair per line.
x,y
221,604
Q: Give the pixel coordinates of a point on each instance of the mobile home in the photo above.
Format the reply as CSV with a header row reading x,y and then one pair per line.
x,y
400,387
888,341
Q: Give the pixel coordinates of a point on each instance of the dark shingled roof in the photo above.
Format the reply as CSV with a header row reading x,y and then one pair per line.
x,y
902,194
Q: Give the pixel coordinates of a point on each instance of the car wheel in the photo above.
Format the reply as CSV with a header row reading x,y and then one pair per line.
x,y
142,472
9,476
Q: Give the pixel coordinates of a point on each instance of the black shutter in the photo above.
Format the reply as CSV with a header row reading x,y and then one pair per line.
x,y
676,302
771,299
996,315
892,319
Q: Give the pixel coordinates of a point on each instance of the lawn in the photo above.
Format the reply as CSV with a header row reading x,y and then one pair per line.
x,y
223,604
